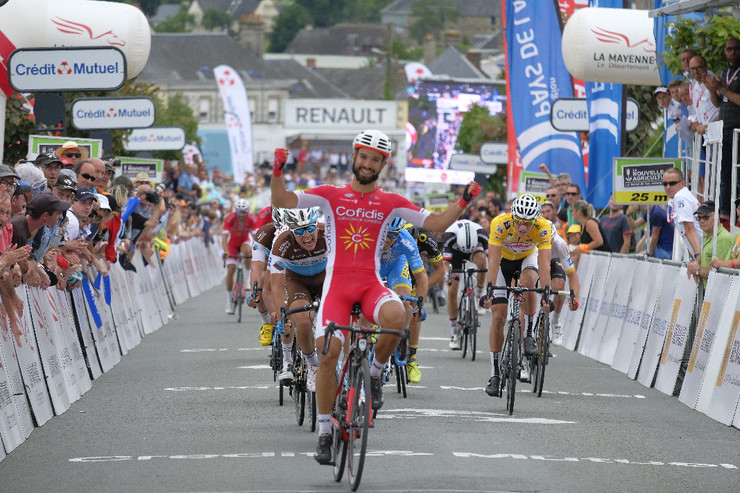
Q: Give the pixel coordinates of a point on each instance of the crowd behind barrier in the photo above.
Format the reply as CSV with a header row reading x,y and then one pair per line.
x,y
69,339
638,316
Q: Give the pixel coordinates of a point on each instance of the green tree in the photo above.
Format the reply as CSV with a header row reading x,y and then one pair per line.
x,y
17,129
477,127
214,18
179,23
324,13
431,16
706,37
363,11
288,23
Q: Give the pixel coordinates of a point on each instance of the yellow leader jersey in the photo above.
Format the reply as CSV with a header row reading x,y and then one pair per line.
x,y
512,246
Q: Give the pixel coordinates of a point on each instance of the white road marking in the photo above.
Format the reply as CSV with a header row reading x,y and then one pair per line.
x,y
255,367
214,350
243,455
597,460
471,415
529,390
225,387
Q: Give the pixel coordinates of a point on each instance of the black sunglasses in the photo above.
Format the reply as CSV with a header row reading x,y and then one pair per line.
x,y
571,193
73,154
87,177
671,183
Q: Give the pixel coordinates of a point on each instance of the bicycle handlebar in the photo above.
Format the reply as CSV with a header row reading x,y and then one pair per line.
x,y
314,305
419,300
469,271
333,327
236,257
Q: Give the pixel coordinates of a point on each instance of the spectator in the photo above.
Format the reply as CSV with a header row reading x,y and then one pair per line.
x,y
725,94
85,171
80,212
731,259
142,178
617,231
681,208
572,194
685,56
186,183
99,165
20,199
573,238
8,180
592,234
683,126
705,111
661,234
110,170
50,165
72,152
547,210
699,267
32,174
65,189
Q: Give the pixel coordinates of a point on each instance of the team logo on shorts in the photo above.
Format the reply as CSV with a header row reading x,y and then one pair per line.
x,y
356,237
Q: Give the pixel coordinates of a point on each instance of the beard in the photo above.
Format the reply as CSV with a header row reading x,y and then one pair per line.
x,y
364,180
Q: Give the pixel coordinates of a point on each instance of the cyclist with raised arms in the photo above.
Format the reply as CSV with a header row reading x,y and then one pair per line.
x,y
427,245
464,240
519,242
263,239
235,241
400,261
298,267
358,216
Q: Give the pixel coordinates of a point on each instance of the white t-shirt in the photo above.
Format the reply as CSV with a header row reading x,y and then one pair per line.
x,y
681,210
73,227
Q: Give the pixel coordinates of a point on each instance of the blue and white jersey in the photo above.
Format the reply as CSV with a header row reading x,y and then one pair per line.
x,y
404,246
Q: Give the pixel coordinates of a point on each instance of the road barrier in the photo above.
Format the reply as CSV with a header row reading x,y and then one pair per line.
x,y
637,315
61,341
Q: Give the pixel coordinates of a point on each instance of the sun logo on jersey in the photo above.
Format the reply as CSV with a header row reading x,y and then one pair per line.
x,y
357,238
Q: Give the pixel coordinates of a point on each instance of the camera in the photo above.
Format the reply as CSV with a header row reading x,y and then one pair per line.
x,y
152,197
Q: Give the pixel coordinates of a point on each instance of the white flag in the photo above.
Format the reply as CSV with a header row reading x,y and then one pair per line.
x,y
415,71
238,120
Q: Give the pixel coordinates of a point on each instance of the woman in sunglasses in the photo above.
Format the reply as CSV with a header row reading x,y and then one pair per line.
x,y
297,270
592,234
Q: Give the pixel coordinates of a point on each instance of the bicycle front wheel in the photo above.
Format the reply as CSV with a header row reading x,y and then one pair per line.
x,y
543,341
512,363
312,411
339,441
299,395
473,328
359,424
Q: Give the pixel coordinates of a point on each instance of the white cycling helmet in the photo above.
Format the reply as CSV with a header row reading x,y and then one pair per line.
x,y
299,218
374,140
242,205
277,216
467,238
525,207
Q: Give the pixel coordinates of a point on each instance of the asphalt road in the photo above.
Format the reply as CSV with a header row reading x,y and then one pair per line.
x,y
194,408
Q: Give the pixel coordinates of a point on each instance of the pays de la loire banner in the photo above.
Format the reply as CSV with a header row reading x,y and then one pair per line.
x,y
537,77
238,120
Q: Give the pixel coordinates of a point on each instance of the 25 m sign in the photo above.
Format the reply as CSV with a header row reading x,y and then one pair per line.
x,y
66,69
640,180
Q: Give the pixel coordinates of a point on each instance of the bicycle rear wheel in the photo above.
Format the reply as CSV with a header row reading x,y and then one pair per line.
x,y
312,411
512,361
359,424
472,327
299,394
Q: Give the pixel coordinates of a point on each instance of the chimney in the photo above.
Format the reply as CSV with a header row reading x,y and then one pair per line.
x,y
252,34
430,49
474,57
453,38
311,63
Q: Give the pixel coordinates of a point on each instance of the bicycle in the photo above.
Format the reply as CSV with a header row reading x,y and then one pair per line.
x,y
467,312
239,293
351,418
541,334
511,357
299,389
276,356
399,358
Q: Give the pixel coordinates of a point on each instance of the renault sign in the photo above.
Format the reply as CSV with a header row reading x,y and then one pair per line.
x,y
112,113
155,139
66,69
471,162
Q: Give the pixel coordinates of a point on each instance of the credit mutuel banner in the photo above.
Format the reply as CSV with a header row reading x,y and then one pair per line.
x,y
537,77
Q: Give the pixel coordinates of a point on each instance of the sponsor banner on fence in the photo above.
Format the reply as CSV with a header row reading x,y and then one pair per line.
x,y
42,144
640,296
658,325
573,320
715,298
624,271
657,282
676,337
595,299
